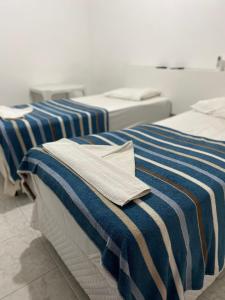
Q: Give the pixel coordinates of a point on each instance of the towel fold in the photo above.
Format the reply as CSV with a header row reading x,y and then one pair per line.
x,y
210,106
110,170
12,113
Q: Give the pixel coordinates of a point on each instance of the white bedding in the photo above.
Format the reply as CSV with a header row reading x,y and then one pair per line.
x,y
78,252
197,124
124,113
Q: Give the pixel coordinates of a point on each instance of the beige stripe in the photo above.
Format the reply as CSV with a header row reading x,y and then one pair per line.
x,y
19,136
85,112
206,188
176,152
32,137
137,234
193,199
106,119
90,126
179,146
56,116
166,239
69,110
81,122
104,139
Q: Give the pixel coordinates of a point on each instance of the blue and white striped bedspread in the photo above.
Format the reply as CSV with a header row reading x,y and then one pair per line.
x,y
163,244
50,120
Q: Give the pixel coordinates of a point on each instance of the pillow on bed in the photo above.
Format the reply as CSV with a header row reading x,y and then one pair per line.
x,y
211,106
133,94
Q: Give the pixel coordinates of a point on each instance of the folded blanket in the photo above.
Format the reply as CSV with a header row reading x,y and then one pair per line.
x,y
14,113
110,170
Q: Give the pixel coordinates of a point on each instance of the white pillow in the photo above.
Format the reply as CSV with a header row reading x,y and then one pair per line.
x,y
133,94
211,106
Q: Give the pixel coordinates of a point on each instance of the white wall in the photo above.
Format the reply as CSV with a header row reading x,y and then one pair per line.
x,y
150,32
42,41
92,41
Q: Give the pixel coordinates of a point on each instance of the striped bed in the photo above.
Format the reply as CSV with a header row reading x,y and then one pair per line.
x,y
50,120
161,245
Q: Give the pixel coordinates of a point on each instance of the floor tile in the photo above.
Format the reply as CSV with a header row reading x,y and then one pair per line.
x,y
51,286
22,260
7,204
22,201
12,220
26,206
79,292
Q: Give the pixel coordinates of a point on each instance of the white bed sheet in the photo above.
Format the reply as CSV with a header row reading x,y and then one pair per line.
x,y
78,252
196,123
124,113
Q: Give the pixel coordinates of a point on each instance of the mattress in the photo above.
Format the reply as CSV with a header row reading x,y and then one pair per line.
x,y
124,113
78,252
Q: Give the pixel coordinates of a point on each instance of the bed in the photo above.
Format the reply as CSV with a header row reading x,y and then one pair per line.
x,y
182,268
123,113
52,120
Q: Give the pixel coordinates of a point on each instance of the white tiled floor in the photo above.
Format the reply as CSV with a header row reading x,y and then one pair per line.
x,y
30,269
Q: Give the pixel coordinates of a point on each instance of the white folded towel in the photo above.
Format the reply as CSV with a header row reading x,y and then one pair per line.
x,y
108,169
210,106
12,113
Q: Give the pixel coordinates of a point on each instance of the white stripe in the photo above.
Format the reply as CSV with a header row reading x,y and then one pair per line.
x,y
95,107
29,129
89,117
104,139
167,243
38,121
206,188
216,166
68,109
56,116
65,113
19,136
177,145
